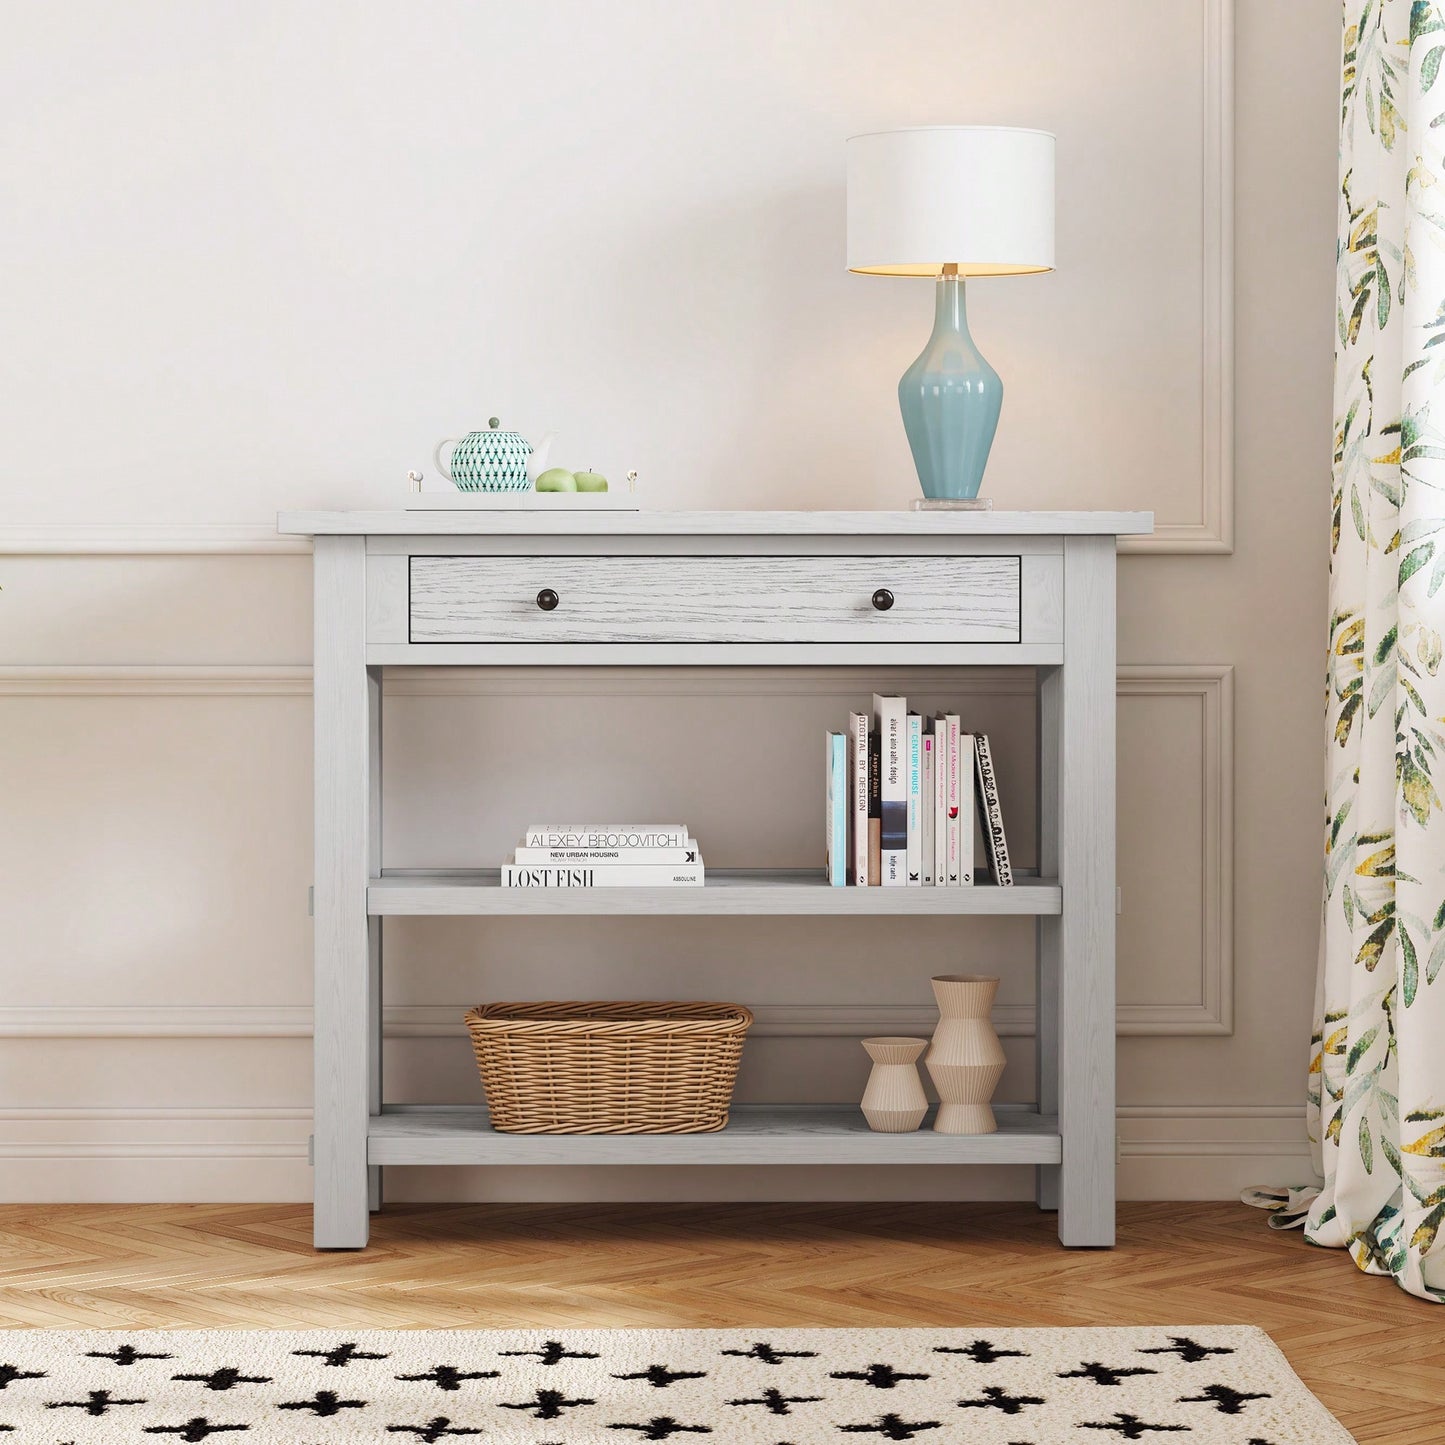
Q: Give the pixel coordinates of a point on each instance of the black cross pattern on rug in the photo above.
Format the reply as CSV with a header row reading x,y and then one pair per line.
x,y
99,1403
660,1376
448,1377
1226,1400
226,1378
995,1397
553,1352
1105,1374
777,1402
881,1377
763,1351
197,1428
324,1403
1189,1351
12,1372
1129,1427
126,1355
437,1428
546,1404
981,1352
340,1356
893,1427
664,1427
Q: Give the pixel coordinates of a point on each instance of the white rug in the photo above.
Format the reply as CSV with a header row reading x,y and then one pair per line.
x,y
1224,1385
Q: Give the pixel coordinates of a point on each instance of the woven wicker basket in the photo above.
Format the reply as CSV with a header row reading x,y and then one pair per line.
x,y
608,1068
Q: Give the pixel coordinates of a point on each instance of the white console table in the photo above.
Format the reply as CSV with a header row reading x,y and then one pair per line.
x,y
612,588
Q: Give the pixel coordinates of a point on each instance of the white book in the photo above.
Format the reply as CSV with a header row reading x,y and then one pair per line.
x,y
925,778
688,853
858,796
941,766
616,875
836,786
914,725
889,717
951,722
995,844
605,835
966,754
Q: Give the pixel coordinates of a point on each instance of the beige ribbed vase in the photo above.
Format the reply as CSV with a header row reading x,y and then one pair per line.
x,y
894,1101
965,1059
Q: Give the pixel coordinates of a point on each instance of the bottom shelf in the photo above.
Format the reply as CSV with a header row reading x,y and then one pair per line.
x,y
756,1134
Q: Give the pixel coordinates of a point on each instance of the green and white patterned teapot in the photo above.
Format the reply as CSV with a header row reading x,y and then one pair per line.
x,y
492,460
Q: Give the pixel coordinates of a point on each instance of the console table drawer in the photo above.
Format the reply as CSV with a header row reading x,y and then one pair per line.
x,y
488,599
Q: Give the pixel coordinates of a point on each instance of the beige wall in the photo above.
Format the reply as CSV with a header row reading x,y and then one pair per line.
x,y
270,255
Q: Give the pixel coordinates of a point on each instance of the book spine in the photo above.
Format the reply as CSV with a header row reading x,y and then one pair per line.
x,y
966,794
955,773
617,875
889,713
605,835
925,779
837,810
858,797
991,815
940,802
875,810
914,725
606,856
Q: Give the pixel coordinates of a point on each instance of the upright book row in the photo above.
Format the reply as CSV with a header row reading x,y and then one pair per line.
x,y
901,793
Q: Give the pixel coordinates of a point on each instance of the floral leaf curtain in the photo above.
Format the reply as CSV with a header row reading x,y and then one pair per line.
x,y
1377,1071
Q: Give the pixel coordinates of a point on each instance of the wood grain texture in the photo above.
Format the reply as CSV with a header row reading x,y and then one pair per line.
x,y
344,844
1081,950
716,524
780,892
715,599
756,1134
1373,1354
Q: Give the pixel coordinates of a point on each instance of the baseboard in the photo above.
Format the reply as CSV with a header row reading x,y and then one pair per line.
x,y
162,1155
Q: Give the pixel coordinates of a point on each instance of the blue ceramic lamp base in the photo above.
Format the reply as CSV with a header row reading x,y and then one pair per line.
x,y
950,399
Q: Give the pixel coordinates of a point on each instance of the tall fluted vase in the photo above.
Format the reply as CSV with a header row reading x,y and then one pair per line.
x,y
965,1059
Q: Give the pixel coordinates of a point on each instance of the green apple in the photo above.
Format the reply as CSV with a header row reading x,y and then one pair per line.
x,y
591,482
556,479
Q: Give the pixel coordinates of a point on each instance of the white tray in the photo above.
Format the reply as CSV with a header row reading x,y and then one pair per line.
x,y
522,502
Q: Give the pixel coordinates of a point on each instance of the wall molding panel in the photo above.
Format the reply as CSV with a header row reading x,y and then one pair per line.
x,y
1209,1012
1213,685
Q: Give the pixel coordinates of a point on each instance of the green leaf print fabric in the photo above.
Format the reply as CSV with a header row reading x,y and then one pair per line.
x,y
1377,1071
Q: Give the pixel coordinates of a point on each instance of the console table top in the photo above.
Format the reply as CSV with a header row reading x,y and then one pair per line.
x,y
565,523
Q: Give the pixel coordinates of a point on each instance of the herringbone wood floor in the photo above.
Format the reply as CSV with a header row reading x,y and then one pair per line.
x,y
1372,1353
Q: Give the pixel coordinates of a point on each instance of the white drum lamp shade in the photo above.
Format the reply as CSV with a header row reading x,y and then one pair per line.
x,y
977,197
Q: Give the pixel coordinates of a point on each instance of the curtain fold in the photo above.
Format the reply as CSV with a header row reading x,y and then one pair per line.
x,y
1377,1069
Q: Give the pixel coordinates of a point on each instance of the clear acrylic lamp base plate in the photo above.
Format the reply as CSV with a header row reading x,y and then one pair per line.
x,y
951,504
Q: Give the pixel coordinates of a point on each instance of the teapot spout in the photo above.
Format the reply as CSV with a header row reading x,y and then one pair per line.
x,y
537,460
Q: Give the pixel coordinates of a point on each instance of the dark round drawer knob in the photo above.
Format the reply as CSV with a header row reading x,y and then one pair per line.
x,y
547,599
883,599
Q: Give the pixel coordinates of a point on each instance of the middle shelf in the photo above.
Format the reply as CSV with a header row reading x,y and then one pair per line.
x,y
743,892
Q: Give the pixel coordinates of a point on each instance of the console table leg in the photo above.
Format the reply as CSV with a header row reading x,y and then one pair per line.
x,y
341,1048
1084,952
1046,970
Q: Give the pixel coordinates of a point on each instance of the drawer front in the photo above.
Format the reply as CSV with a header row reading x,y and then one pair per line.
x,y
712,599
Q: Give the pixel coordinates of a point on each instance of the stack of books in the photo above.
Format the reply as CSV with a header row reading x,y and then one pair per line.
x,y
901,792
604,855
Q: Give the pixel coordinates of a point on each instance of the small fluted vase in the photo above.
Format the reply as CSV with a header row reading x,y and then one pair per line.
x,y
965,1059
894,1101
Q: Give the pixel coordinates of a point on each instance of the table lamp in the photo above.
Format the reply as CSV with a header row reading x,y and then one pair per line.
x,y
951,201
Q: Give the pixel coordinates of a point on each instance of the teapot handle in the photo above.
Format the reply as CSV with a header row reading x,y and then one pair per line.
x,y
444,467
